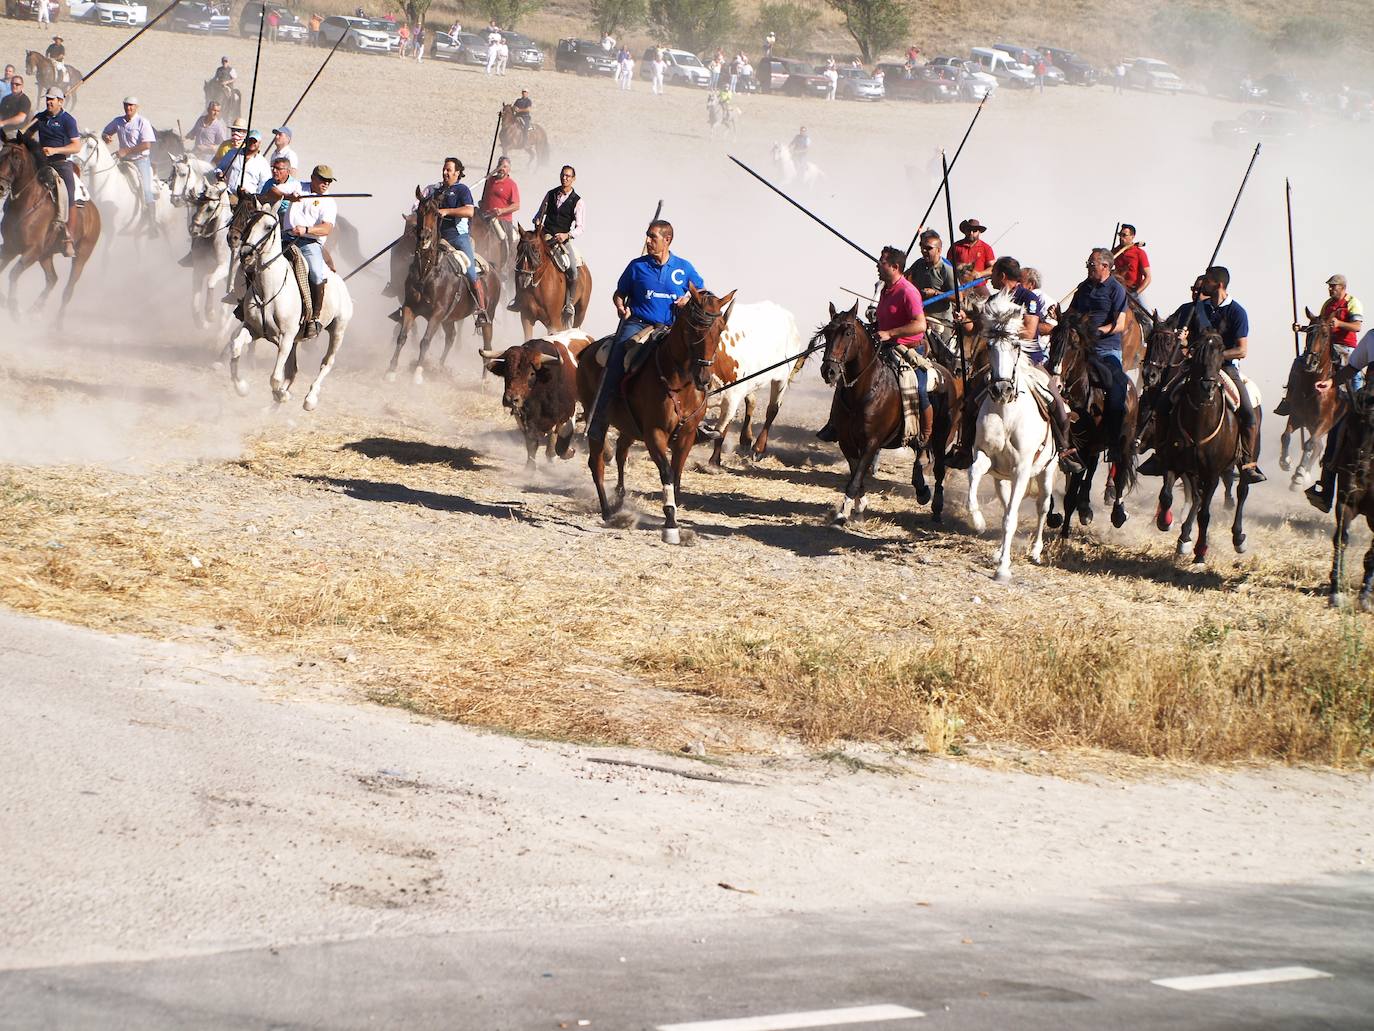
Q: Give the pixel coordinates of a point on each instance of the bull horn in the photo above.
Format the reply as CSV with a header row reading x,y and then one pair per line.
x,y
488,356
552,359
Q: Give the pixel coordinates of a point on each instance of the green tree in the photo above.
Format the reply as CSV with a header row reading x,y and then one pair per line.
x,y
509,12
611,16
695,25
794,24
875,25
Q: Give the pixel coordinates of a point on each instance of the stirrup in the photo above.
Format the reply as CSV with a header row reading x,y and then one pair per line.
x,y
1318,498
310,329
1068,461
1250,472
707,434
827,433
1152,466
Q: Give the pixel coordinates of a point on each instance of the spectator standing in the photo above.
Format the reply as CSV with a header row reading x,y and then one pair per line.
x,y
502,55
492,39
404,34
273,24
714,66
736,66
766,83
658,66
1040,71
832,76
44,15
746,72
627,69
1120,78
419,43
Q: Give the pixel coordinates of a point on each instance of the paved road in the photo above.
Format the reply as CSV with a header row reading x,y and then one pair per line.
x,y
1081,966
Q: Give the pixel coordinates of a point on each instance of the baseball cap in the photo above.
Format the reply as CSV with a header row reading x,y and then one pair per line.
x,y
53,91
323,172
1336,280
256,134
287,130
131,100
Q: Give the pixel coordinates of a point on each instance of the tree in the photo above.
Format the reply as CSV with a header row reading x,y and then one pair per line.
x,y
610,16
695,25
793,22
507,13
875,25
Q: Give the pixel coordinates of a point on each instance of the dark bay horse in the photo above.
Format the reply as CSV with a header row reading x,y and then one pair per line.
x,y
436,292
27,226
1314,404
1200,439
541,288
535,143
663,402
42,69
227,96
1071,346
1354,494
866,411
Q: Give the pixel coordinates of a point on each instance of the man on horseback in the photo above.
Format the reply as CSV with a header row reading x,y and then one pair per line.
x,y
308,220
53,139
1231,321
1132,268
972,250
1322,494
1103,299
524,115
136,137
800,147
15,108
245,168
648,293
456,209
561,217
1344,316
500,202
281,147
207,133
933,276
56,51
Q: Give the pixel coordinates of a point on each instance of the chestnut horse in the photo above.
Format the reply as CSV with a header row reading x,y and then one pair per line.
x,y
541,288
1313,405
436,292
1200,439
662,403
1354,493
43,69
866,411
534,143
27,226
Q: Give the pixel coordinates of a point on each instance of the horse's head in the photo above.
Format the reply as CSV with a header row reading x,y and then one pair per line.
x,y
530,253
1163,352
426,231
841,335
31,58
706,317
16,166
1316,356
91,146
1004,356
1206,362
207,209
245,208
1072,336
179,180
260,235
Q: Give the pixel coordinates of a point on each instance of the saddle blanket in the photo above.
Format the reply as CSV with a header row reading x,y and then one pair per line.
x,y
558,254
459,261
906,363
1233,398
636,354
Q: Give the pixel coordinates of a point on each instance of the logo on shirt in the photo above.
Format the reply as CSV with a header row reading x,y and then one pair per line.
x,y
678,276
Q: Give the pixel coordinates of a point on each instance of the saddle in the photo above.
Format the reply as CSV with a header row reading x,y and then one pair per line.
x,y
636,353
302,274
458,261
53,183
906,364
1228,389
561,256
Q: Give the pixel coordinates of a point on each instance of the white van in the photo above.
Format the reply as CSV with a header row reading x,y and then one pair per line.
x,y
1002,67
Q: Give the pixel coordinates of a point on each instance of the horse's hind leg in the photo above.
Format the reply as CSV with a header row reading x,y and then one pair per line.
x,y
623,443
1045,479
746,428
1367,589
728,404
1118,479
937,450
1284,440
50,281
312,398
1204,518
1339,539
450,338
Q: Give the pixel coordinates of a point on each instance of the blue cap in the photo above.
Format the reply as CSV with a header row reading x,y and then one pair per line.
x,y
286,129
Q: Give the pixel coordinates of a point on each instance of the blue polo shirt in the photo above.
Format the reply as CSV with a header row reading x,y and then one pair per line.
x,y
1231,321
456,196
56,131
1102,303
650,288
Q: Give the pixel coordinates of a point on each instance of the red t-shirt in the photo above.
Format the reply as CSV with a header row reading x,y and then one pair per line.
x,y
978,254
1131,265
500,193
899,304
1342,311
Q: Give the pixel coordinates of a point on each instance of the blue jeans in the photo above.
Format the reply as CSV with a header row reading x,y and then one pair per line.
x,y
463,242
144,164
612,377
310,250
1116,395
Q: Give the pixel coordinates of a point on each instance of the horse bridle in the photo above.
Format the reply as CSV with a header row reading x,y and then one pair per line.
x,y
197,225
1176,354
525,277
1313,358
254,251
836,365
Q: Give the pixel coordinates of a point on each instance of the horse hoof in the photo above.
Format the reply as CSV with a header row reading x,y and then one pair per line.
x,y
1336,600
390,376
1003,576
418,376
671,535
1200,558
979,523
310,403
1054,520
1085,516
937,517
241,386
1238,542
1285,464
1119,517
1164,518
923,495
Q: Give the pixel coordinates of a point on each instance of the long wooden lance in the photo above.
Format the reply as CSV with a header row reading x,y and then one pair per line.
x,y
935,199
1234,204
257,60
949,215
310,85
1292,265
492,156
374,257
811,215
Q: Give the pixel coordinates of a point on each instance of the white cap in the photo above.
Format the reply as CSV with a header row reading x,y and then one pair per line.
x,y
131,100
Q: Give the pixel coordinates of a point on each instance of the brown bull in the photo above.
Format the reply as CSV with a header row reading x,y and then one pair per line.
x,y
541,389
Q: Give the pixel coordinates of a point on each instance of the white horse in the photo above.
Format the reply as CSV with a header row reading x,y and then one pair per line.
x,y
810,173
760,335
1014,443
207,217
187,177
272,308
721,116
115,187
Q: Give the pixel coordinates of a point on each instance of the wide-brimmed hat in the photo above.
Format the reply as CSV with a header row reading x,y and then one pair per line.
x,y
970,224
239,125
324,172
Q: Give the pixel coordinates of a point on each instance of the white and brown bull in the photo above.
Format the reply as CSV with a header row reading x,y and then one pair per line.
x,y
759,336
541,388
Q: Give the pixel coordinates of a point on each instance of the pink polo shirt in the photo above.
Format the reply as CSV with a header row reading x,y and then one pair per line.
x,y
899,304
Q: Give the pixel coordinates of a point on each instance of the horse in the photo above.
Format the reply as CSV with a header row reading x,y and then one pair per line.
x,y
273,305
492,239
1071,346
227,96
760,336
662,403
207,217
44,70
541,288
1014,442
1200,440
437,292
866,411
1313,405
115,186
721,116
187,177
27,226
534,142
788,169
1354,494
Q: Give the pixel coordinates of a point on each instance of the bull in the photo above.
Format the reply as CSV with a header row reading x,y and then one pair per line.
x,y
541,389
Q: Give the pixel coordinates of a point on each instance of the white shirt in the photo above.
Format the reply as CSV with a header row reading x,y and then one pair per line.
x,y
1363,353
290,155
130,132
310,211
250,174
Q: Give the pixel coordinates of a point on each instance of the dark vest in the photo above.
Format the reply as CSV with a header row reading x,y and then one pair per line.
x,y
559,219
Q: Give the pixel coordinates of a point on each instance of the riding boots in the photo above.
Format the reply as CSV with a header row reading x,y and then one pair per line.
x,y
479,293
64,237
1322,493
310,327
1249,471
569,298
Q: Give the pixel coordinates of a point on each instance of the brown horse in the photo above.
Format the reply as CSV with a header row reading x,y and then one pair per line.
x,y
1354,493
541,288
1071,347
436,292
866,411
499,253
662,403
1313,404
44,71
27,226
535,142
1199,439
227,96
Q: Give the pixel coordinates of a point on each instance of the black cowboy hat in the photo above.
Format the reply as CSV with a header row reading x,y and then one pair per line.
x,y
969,224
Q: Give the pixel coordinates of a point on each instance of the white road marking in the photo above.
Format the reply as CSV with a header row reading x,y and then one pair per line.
x,y
811,1018
1201,982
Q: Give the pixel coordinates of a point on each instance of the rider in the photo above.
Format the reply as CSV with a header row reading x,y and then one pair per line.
x,y
933,275
283,187
456,209
800,147
207,133
57,50
524,114
971,248
902,320
245,169
281,146
238,132
1232,322
136,137
562,216
53,139
308,220
1103,299
227,77
647,294
1322,493
500,202
15,108
1132,266
1344,317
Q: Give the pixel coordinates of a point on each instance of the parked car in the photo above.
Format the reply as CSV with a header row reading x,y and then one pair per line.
x,y
974,84
802,81
29,9
857,84
1153,75
1076,70
1256,124
583,56
361,35
467,48
108,12
390,29
684,69
1002,68
195,17
1286,90
446,47
1030,57
290,29
918,83
524,52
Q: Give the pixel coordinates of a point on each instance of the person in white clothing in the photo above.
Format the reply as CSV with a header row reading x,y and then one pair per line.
x,y
308,220
627,70
281,148
502,55
43,13
832,76
492,39
132,138
658,66
247,170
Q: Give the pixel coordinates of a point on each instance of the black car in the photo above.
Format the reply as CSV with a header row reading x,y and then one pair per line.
x,y
583,56
921,83
1256,124
803,81
1075,69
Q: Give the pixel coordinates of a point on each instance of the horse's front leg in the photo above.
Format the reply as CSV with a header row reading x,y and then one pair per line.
x,y
286,348
1238,524
336,332
1367,588
417,373
236,345
1045,481
981,464
1011,501
728,403
1164,511
854,489
1284,440
1118,479
1204,518
450,338
938,448
657,444
407,320
1340,538
1313,447
596,462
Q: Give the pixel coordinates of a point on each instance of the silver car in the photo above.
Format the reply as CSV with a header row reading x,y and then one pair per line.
x,y
857,84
